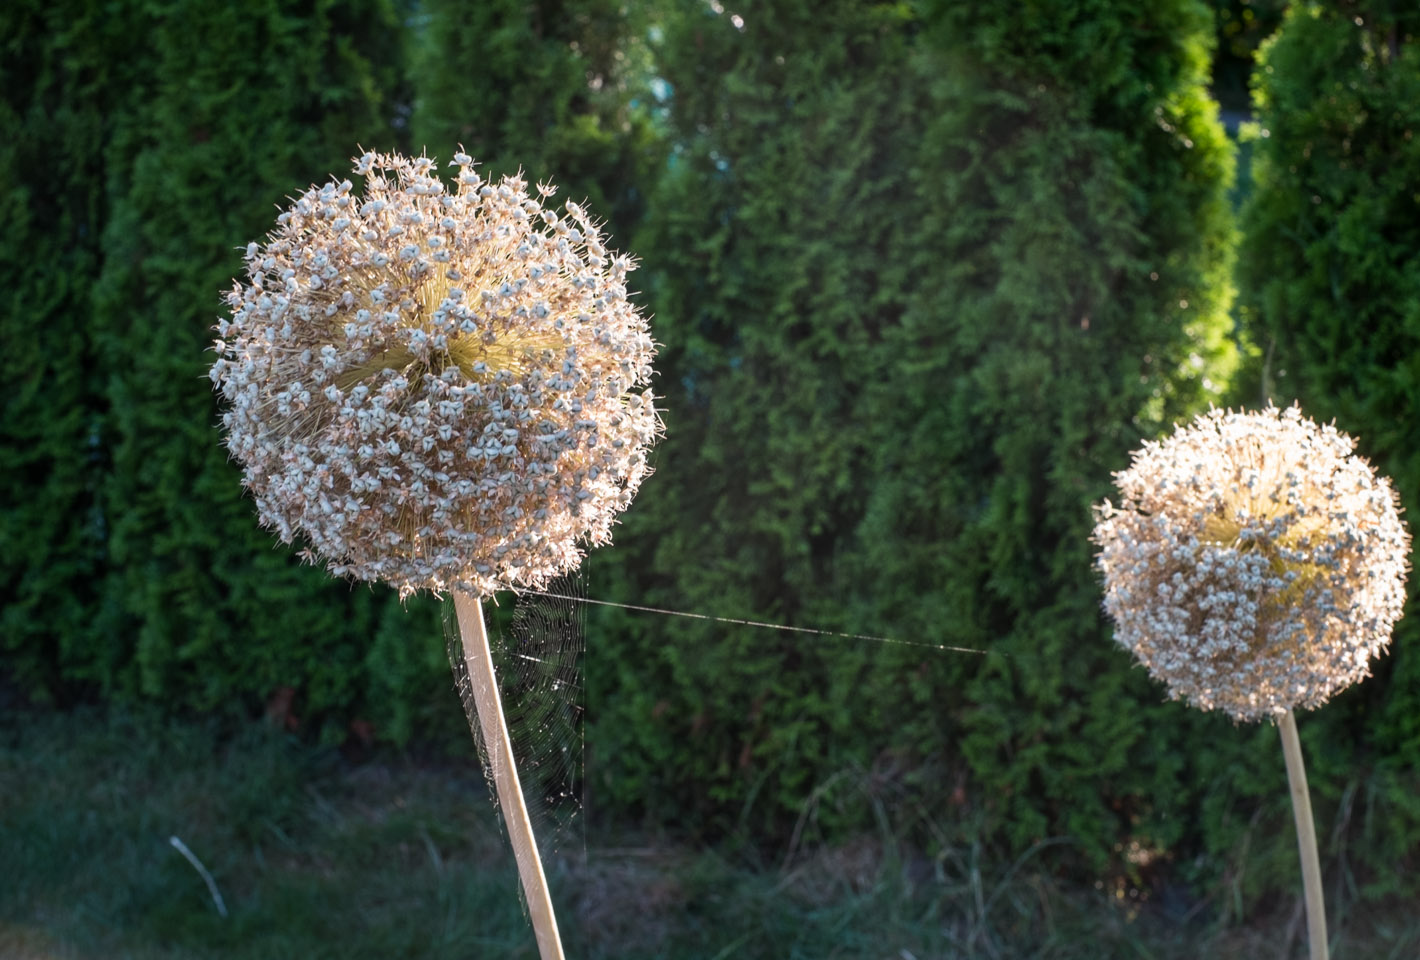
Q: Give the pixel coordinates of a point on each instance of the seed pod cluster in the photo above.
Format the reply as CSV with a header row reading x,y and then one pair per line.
x,y
436,387
1253,562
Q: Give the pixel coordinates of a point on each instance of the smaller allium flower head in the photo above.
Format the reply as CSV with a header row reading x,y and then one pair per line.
x,y
437,388
1253,563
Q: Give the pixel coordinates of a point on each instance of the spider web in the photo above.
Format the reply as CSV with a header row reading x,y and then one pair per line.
x,y
538,663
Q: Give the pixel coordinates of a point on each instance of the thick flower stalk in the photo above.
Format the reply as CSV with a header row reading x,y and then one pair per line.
x,y
437,388
1253,563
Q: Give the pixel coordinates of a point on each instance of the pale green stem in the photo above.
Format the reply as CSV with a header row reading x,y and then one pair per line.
x,y
1306,836
489,706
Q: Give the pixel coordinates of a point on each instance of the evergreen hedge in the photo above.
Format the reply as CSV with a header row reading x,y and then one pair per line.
x,y
133,565
55,117
925,276
1331,277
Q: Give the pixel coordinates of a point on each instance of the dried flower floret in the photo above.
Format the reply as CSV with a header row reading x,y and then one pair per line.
x,y
1253,563
437,388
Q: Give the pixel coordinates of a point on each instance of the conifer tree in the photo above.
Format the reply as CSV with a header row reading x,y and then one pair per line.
x,y
1330,278
924,276
60,85
1075,281
143,569
772,253
242,106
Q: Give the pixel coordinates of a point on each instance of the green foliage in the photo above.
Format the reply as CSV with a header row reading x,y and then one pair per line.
x,y
134,567
312,859
769,263
550,87
55,116
924,277
924,273
1083,309
1242,26
1331,275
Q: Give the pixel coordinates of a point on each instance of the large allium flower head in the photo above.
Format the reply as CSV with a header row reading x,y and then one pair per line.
x,y
1253,563
437,388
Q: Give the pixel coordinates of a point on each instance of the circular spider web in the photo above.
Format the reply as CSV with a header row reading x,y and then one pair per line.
x,y
538,663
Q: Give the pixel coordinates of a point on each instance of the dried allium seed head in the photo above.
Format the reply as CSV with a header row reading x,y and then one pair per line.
x,y
1253,563
437,388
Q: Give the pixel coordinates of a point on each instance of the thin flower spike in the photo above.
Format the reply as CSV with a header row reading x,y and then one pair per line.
x,y
1253,562
437,389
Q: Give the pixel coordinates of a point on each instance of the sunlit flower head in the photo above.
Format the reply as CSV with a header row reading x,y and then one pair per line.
x,y
1253,562
436,388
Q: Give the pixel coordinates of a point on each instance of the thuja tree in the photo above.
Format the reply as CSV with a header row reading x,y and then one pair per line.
x,y
61,77
211,119
1073,300
1330,277
211,604
772,262
924,278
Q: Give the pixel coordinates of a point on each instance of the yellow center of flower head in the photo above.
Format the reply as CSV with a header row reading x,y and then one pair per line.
x,y
1292,575
515,349
437,387
1253,564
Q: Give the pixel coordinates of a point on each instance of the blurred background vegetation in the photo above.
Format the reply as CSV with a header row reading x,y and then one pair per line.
x,y
923,274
